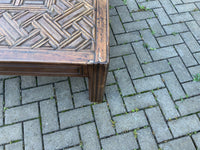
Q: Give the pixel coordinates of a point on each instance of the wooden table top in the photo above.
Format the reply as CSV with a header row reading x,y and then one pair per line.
x,y
54,31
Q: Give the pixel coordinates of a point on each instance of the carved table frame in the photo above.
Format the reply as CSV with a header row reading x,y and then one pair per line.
x,y
56,38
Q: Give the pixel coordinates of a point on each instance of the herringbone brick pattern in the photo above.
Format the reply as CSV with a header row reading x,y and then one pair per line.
x,y
151,101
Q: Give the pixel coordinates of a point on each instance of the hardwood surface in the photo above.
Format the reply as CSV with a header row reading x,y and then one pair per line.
x,y
56,37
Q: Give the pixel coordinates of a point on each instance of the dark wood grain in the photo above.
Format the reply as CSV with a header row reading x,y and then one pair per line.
x,y
56,38
97,78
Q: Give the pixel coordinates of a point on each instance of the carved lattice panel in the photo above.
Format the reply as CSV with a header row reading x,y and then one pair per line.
x,y
47,24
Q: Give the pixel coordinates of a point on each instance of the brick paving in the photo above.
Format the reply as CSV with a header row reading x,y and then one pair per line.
x,y
151,101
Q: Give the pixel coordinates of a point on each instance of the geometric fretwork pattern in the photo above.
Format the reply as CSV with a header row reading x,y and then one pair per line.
x,y
47,24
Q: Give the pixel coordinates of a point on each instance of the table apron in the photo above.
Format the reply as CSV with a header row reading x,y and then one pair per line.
x,y
43,69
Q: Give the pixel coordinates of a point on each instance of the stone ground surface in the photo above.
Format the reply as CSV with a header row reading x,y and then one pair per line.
x,y
151,101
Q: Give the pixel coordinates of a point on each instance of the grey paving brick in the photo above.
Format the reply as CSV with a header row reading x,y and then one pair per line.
x,y
184,143
89,137
192,88
114,99
77,84
177,2
74,148
196,138
47,79
181,17
69,138
1,110
12,92
1,87
75,117
116,24
180,70
133,66
146,139
163,53
167,105
112,39
116,63
49,116
175,28
120,50
198,4
133,26
127,37
112,11
103,120
190,42
132,5
120,142
189,106
81,99
149,39
124,14
10,133
16,146
6,76
186,55
124,82
28,81
86,81
169,40
196,15
63,95
168,6
142,15
197,56
172,83
148,83
151,4
156,27
130,121
116,3
194,70
140,1
185,7
162,16
158,124
21,113
183,126
110,78
156,67
141,52
32,135
37,93
188,1
194,28
139,101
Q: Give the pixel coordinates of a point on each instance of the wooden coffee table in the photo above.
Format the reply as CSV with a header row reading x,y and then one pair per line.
x,y
56,38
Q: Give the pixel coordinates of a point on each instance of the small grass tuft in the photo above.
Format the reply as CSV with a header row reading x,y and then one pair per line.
x,y
5,108
135,133
196,9
111,7
125,2
113,123
145,45
174,33
196,77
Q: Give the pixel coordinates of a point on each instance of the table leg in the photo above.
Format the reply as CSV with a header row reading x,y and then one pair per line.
x,y
97,80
